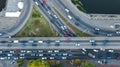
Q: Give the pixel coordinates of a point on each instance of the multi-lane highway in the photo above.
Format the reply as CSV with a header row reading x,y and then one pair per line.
x,y
54,19
61,43
77,22
59,54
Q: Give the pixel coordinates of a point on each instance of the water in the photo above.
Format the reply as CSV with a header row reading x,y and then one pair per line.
x,y
2,4
102,6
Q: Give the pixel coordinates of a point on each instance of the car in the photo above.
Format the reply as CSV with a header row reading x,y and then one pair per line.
x,y
30,41
70,31
91,55
92,40
12,62
84,49
117,32
1,34
109,35
93,43
9,45
64,58
62,28
15,41
49,12
48,41
57,44
67,10
22,51
34,51
40,41
12,51
52,58
1,51
23,45
102,49
2,58
28,51
56,51
9,55
70,17
110,50
21,57
22,54
65,27
40,51
65,54
83,52
104,61
50,51
55,16
34,45
95,50
52,54
15,58
44,58
105,42
100,62
36,3
40,54
8,58
97,29
57,41
77,44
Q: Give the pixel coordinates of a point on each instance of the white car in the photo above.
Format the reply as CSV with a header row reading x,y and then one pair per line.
x,y
65,54
62,28
100,62
50,51
36,3
49,12
57,41
44,58
56,51
77,44
67,10
40,51
40,54
55,16
84,49
51,58
110,50
9,55
97,29
91,41
69,17
40,41
64,57
91,55
16,41
95,50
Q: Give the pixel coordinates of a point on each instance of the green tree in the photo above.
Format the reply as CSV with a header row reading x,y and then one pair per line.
x,y
78,62
86,63
38,63
20,62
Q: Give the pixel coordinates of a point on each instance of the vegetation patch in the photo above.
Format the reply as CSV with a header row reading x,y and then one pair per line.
x,y
37,26
79,5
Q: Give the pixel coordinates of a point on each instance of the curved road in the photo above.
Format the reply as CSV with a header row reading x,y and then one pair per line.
x,y
22,20
78,23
